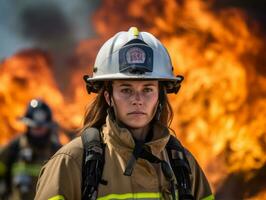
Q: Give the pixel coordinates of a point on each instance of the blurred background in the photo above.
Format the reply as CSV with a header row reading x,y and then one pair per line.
x,y
47,46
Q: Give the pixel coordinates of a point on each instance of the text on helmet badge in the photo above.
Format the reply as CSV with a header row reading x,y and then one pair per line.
x,y
135,55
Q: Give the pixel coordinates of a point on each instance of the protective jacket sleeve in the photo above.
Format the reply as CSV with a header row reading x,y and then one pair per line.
x,y
60,177
200,185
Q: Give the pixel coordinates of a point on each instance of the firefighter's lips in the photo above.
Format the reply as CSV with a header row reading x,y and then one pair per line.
x,y
136,113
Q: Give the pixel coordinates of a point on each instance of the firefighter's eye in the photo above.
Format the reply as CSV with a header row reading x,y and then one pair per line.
x,y
126,90
146,90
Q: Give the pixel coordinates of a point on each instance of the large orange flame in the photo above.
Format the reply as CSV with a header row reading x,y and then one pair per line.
x,y
28,75
220,111
21,79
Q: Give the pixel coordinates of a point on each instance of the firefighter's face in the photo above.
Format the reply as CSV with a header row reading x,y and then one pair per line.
x,y
134,102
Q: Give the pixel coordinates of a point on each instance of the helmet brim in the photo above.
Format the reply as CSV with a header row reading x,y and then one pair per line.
x,y
94,84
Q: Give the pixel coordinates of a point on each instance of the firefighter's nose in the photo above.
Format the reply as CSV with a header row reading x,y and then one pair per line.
x,y
137,99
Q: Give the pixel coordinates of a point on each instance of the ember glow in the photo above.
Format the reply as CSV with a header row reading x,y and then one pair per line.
x,y
220,111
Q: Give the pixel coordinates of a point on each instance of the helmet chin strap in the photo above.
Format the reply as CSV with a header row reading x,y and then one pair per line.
x,y
161,100
112,105
158,111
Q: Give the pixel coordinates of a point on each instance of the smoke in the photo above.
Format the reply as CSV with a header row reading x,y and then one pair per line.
x,y
51,25
44,22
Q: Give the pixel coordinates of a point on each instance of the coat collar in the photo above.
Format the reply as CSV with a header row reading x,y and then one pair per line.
x,y
121,138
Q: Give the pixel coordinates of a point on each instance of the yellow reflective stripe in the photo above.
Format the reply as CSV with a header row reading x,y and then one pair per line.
x,y
29,169
210,197
2,168
156,195
57,197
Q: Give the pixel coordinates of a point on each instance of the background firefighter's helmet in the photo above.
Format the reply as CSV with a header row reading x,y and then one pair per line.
x,y
133,55
38,114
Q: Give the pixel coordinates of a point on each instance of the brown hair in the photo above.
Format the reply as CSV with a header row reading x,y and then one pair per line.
x,y
96,113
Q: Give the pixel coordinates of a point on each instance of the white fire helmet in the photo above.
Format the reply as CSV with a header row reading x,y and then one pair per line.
x,y
133,55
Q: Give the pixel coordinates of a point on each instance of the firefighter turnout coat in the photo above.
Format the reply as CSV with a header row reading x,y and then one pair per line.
x,y
61,177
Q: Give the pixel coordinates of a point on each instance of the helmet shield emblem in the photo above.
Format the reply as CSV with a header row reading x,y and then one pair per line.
x,y
136,59
135,55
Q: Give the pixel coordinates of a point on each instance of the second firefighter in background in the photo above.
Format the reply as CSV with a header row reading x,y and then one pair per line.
x,y
22,159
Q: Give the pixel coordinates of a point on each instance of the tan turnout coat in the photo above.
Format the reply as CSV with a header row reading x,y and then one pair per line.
x,y
61,177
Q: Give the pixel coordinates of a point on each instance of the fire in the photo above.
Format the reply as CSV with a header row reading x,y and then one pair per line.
x,y
28,75
220,111
21,79
213,108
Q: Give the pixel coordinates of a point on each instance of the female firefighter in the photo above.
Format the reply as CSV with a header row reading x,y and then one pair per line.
x,y
126,150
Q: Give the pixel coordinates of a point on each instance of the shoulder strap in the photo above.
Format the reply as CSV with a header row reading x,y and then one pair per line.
x,y
181,168
93,162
